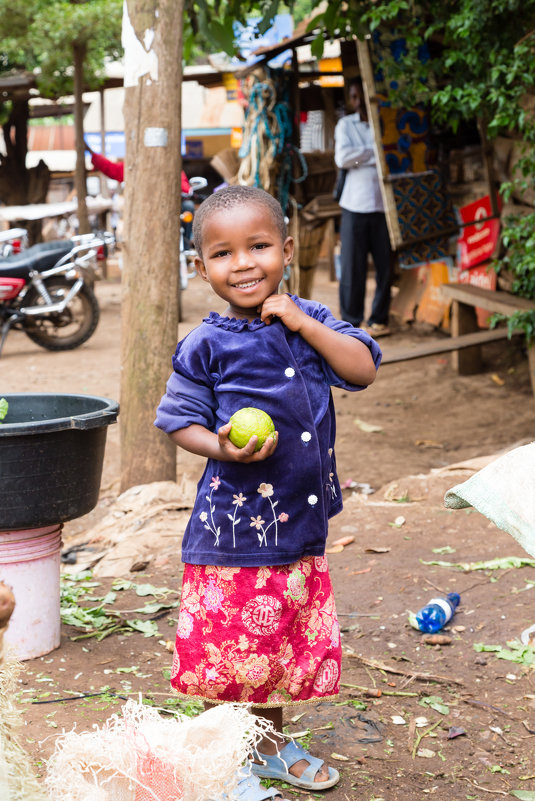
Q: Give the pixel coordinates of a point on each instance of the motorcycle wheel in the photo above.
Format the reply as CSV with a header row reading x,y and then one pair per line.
x,y
67,329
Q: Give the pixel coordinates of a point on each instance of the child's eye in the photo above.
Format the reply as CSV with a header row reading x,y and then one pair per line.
x,y
260,245
220,254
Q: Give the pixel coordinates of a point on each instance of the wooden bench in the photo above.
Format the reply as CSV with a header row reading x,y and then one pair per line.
x,y
466,337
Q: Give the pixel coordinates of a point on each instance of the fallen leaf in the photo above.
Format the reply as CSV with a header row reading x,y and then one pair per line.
x,y
497,380
335,549
425,752
376,550
428,443
340,757
347,540
368,428
297,734
397,720
420,722
455,731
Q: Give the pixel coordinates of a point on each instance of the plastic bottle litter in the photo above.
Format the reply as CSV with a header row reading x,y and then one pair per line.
x,y
434,615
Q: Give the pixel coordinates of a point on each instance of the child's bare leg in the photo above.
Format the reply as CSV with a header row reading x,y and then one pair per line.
x,y
270,746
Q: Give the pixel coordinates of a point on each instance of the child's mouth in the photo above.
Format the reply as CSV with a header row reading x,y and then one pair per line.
x,y
247,284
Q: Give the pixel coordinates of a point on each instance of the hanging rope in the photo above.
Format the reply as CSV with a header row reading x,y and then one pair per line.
x,y
268,154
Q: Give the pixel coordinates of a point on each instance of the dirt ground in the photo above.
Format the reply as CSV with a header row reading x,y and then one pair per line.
x,y
412,719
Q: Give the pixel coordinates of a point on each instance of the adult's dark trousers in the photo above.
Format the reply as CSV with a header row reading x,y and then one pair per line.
x,y
362,233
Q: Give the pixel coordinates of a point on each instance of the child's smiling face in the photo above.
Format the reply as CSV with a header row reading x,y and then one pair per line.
x,y
243,257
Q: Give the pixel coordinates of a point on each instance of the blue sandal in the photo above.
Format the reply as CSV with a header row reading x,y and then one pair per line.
x,y
250,789
277,766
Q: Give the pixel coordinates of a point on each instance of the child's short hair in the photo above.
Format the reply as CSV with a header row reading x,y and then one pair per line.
x,y
229,198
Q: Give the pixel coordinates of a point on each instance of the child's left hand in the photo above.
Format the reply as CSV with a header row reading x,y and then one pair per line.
x,y
283,307
247,454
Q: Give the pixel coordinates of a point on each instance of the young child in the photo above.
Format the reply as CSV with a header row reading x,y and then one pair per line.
x,y
257,620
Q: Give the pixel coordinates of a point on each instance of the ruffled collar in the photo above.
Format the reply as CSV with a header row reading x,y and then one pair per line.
x,y
232,323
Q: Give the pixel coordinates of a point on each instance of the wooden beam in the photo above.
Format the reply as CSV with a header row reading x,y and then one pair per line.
x,y
445,345
491,300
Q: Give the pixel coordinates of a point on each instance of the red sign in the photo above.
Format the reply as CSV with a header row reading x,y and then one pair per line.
x,y
477,242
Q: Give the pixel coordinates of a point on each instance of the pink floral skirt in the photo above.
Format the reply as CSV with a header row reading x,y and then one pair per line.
x,y
258,635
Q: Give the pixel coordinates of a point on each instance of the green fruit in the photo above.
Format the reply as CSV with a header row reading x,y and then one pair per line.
x,y
247,422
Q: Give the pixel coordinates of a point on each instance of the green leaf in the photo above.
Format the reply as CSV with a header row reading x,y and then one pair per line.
x,y
523,795
317,45
436,703
152,609
506,563
3,408
147,627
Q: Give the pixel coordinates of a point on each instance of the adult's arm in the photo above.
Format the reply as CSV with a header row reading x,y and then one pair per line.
x,y
184,184
112,169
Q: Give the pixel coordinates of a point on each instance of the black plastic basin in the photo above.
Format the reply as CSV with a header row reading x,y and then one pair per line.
x,y
51,455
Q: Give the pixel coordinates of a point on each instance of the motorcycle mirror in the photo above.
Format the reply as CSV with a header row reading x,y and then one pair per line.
x,y
198,182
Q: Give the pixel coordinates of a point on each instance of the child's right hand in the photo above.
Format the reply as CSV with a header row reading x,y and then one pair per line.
x,y
246,454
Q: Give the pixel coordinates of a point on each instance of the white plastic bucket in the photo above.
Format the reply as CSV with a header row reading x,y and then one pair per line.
x,y
30,565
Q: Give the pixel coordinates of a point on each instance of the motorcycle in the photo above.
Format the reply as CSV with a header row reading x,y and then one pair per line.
x,y
187,254
46,291
13,241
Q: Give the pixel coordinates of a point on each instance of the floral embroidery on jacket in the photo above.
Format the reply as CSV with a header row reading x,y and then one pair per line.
x,y
257,521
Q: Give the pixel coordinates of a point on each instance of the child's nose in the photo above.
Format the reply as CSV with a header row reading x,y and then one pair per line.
x,y
245,258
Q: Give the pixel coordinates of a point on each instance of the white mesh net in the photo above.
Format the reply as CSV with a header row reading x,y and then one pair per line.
x,y
142,756
17,780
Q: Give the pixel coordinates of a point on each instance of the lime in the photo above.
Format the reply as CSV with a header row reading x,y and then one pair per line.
x,y
249,421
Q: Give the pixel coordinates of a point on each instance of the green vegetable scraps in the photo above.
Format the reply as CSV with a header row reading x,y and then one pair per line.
x,y
517,652
506,563
3,408
100,622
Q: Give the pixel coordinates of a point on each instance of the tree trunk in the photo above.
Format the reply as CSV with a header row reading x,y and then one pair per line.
x,y
19,185
78,52
152,112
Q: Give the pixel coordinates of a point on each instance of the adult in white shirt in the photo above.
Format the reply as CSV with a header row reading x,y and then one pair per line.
x,y
363,227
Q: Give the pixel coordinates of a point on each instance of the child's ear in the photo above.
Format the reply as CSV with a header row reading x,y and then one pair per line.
x,y
288,250
201,269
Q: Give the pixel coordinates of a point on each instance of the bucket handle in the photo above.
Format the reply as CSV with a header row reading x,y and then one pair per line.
x,y
93,419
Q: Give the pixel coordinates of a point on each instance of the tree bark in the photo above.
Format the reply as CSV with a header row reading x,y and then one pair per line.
x,y
78,52
152,112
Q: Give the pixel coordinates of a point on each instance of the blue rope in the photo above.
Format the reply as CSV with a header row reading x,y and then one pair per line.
x,y
281,138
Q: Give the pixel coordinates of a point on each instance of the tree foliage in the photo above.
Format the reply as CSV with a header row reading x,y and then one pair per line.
x,y
465,60
39,35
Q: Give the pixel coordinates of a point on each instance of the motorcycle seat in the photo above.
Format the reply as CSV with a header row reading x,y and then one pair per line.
x,y
39,257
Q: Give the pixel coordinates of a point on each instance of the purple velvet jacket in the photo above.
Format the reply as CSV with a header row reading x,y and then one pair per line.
x,y
275,511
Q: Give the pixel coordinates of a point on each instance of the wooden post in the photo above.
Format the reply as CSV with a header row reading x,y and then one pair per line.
x,y
79,52
104,188
329,243
464,321
150,285
531,363
486,148
387,191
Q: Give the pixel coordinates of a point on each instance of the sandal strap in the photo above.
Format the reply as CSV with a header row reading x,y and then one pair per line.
x,y
250,789
290,754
